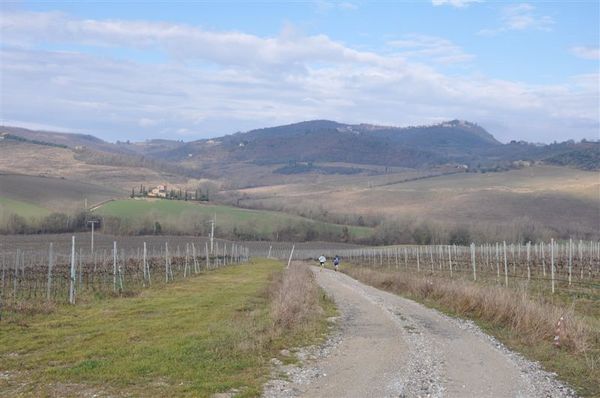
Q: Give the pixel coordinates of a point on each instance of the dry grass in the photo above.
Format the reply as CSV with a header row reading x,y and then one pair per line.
x,y
532,320
556,197
295,300
25,309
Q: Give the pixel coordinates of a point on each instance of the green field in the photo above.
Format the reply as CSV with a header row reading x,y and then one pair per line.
x,y
24,209
227,217
208,334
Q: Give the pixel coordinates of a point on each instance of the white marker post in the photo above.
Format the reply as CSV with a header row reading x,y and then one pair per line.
x,y
72,282
552,263
166,262
291,254
528,261
49,286
114,266
145,266
450,259
473,261
505,266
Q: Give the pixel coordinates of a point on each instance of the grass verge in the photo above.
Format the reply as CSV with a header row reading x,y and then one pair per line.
x,y
213,333
524,323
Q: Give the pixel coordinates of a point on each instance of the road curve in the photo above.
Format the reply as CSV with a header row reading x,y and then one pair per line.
x,y
389,346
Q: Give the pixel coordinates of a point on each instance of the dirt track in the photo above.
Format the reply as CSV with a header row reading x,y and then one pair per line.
x,y
387,346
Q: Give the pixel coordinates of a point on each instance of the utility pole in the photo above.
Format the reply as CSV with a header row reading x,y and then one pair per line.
x,y
93,222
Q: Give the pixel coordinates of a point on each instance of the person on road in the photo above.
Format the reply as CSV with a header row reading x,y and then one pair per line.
x,y
322,260
336,262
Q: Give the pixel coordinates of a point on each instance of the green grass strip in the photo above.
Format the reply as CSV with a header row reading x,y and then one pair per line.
x,y
197,337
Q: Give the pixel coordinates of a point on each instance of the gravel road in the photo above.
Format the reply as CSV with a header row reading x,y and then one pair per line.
x,y
387,346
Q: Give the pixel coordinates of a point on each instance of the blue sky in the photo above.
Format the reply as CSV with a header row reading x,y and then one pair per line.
x,y
188,70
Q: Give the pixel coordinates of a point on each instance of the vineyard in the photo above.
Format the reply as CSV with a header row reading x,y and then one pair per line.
x,y
569,266
61,268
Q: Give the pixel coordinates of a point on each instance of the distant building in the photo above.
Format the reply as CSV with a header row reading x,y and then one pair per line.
x,y
521,163
158,192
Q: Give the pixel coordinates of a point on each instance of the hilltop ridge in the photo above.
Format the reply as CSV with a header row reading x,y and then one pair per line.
x,y
453,142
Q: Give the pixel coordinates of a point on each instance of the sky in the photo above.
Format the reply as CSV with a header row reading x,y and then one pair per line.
x,y
196,69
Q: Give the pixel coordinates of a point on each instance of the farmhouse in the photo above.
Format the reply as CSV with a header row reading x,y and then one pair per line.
x,y
158,192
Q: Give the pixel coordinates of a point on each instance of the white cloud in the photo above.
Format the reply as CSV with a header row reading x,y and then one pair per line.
x,y
148,122
454,3
324,6
584,52
522,16
39,126
437,49
348,6
519,17
221,82
184,42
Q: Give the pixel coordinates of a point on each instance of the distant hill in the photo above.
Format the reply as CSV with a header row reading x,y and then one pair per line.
x,y
585,157
293,149
324,140
150,147
356,174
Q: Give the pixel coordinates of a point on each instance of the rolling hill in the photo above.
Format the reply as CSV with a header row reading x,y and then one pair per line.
x,y
543,197
48,194
322,140
299,146
329,172
318,141
28,158
70,140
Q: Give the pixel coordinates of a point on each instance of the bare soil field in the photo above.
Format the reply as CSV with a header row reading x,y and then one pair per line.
x,y
54,193
47,161
62,242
